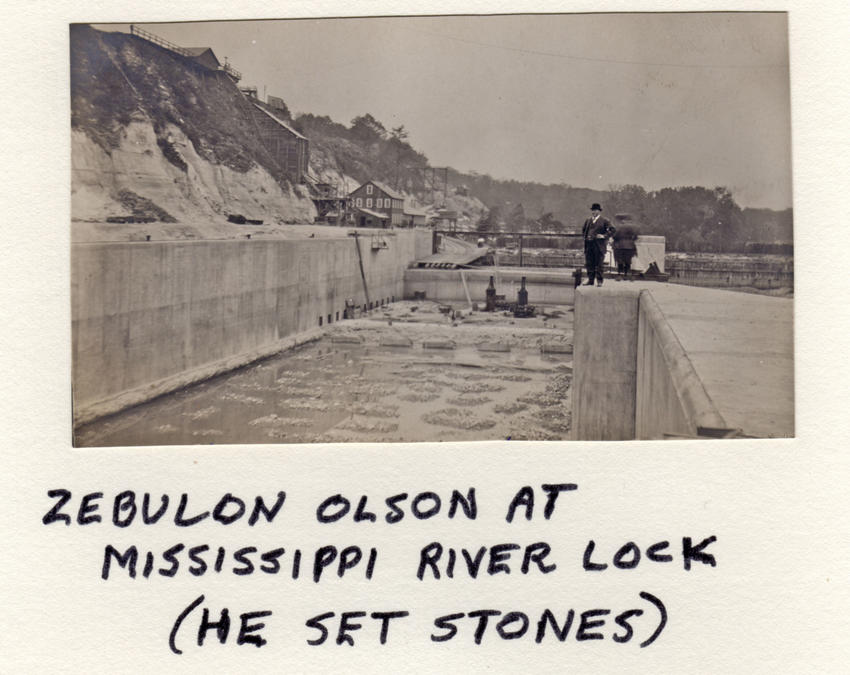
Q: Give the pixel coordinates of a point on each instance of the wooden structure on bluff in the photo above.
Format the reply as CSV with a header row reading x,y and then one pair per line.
x,y
287,147
202,56
331,202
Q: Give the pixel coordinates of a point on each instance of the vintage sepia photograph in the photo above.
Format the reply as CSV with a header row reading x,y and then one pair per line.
x,y
544,227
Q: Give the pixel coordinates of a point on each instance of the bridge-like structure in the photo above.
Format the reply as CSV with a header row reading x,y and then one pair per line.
x,y
456,254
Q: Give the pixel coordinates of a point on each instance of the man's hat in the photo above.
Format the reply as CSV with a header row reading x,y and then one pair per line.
x,y
595,207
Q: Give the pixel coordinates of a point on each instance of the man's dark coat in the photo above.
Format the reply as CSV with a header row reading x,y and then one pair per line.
x,y
595,237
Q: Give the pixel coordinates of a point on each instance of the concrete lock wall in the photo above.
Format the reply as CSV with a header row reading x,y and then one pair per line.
x,y
604,364
766,273
447,285
149,317
670,399
632,378
658,409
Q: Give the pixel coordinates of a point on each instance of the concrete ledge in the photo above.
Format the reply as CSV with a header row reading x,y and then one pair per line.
x,y
346,339
544,286
697,408
605,363
556,348
684,362
493,347
396,341
742,348
438,344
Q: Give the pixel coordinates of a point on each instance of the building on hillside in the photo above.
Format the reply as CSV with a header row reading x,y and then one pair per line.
x,y
413,216
287,147
382,199
204,56
331,202
277,105
364,217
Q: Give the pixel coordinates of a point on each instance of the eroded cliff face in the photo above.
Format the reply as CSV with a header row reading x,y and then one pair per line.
x,y
100,181
157,137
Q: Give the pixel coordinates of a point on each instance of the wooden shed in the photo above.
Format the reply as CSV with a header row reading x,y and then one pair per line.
x,y
368,218
204,56
414,217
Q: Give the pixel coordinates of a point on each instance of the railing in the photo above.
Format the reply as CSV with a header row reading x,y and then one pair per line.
x,y
150,37
573,260
533,238
230,70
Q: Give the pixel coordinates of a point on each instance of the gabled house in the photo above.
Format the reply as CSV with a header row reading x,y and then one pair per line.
x,y
379,202
204,56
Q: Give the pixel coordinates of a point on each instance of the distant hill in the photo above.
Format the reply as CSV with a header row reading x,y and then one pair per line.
x,y
693,218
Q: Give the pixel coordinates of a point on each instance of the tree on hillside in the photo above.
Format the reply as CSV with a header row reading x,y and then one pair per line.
x,y
729,231
366,128
629,199
398,143
765,225
690,218
547,223
696,219
516,218
399,135
318,125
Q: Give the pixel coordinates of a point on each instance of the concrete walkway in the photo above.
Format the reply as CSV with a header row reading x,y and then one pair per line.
x,y
742,348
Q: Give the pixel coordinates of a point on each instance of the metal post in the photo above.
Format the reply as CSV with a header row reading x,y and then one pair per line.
x,y
362,272
520,250
522,296
490,303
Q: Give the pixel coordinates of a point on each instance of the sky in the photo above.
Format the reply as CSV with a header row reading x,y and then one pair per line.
x,y
588,100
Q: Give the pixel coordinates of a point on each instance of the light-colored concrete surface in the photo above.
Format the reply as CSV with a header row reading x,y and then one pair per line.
x,y
650,249
671,398
605,365
543,286
147,314
742,347
705,358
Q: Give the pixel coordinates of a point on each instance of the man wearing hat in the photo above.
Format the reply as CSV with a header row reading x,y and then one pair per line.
x,y
595,232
